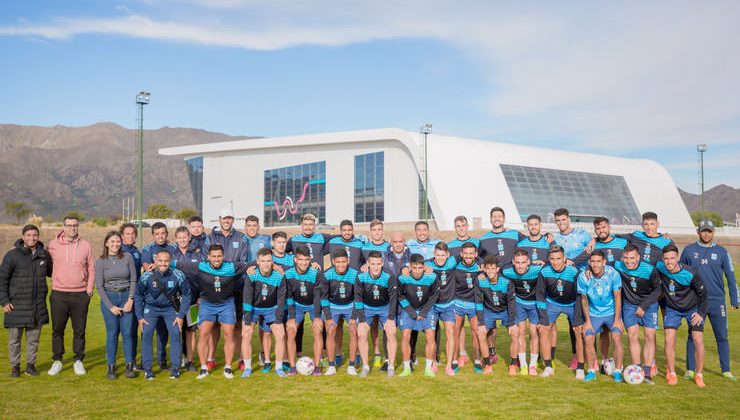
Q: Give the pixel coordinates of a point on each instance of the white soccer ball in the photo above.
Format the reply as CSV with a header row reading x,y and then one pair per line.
x,y
634,375
610,366
304,366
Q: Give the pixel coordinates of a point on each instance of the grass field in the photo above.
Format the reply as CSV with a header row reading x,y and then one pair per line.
x,y
342,396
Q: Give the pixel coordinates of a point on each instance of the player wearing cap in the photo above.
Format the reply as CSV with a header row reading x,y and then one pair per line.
x,y
712,262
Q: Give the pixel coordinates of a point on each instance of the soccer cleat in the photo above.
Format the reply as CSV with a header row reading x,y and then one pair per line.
x,y
653,370
15,371
487,370
351,371
590,376
228,373
405,372
689,375
699,380
671,378
384,368
267,367
462,360
477,368
618,376
548,372
331,370
377,361
391,372
31,370
512,370
573,364
79,368
175,374
648,381
364,372
246,373
203,374
532,371
211,364
429,373
292,371
455,366
316,371
450,371
191,367
149,375
729,375
281,373
523,371
338,360
240,365
580,374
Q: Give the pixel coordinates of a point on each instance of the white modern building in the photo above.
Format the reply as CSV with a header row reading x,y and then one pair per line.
x,y
367,174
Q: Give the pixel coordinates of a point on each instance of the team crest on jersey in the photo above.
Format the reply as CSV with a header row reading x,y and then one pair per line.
x,y
714,256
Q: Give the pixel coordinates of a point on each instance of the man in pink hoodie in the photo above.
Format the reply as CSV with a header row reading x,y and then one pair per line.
x,y
72,282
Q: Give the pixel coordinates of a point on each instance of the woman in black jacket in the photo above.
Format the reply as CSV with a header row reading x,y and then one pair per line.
x,y
23,292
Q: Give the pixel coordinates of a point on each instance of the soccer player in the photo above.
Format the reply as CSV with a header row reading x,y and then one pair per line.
x,y
376,242
312,240
186,258
496,302
499,241
685,297
341,282
649,241
536,243
417,294
217,281
641,289
573,240
464,276
279,254
306,294
461,230
264,303
197,235
712,261
349,242
601,301
376,297
524,275
442,266
255,240
156,298
161,241
422,244
611,245
556,295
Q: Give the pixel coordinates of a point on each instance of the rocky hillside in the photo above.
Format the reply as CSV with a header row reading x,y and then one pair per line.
x,y
721,199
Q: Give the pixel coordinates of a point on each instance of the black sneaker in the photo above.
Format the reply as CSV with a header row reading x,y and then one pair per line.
x,y
31,370
384,368
112,372
190,367
129,373
138,367
163,365
175,374
149,376
15,371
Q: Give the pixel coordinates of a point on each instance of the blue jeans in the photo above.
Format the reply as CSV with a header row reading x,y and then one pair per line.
x,y
154,315
118,325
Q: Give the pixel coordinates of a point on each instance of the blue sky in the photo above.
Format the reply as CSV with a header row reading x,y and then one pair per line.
x,y
646,80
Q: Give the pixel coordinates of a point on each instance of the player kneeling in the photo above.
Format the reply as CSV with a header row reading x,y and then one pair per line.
x,y
496,302
264,302
417,294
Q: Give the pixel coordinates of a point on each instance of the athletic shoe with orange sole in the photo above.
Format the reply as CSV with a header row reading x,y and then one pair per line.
x,y
487,370
699,380
532,371
512,370
671,378
462,360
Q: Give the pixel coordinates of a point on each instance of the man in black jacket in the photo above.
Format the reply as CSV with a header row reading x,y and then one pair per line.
x,y
23,292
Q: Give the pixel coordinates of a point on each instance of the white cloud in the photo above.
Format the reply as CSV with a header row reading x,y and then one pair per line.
x,y
616,76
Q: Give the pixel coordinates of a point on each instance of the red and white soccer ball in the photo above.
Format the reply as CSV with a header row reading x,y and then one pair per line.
x,y
304,366
634,375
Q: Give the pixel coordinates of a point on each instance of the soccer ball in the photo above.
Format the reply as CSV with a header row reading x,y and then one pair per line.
x,y
304,366
633,375
609,366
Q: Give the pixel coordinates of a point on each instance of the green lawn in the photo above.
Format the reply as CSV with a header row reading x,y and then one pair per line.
x,y
267,396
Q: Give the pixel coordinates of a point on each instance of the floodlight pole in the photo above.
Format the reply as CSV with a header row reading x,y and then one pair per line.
x,y
142,98
425,130
701,148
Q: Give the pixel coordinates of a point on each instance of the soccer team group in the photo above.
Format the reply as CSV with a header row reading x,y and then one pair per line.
x,y
232,284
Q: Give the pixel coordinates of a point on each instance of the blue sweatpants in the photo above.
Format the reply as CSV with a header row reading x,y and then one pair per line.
x,y
718,317
154,315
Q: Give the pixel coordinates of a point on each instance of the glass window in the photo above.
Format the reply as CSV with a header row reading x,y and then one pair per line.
x,y
195,174
293,191
586,195
369,188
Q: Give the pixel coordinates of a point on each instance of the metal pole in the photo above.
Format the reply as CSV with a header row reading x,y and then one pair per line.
x,y
140,175
701,148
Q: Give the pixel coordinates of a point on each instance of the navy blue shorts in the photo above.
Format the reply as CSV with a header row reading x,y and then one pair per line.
x,y
265,317
673,319
301,311
445,312
648,320
406,323
554,310
597,322
341,311
464,309
372,312
223,313
527,312
490,318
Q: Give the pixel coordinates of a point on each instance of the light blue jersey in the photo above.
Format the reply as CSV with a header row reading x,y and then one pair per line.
x,y
573,243
600,291
426,248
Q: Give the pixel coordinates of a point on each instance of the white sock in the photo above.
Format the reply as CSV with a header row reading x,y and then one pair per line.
x,y
463,353
366,367
534,360
476,361
203,367
523,360
278,365
406,364
266,359
247,363
429,363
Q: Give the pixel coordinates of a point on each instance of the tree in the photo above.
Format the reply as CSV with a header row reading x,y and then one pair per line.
x,y
159,211
77,214
709,215
186,213
17,209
